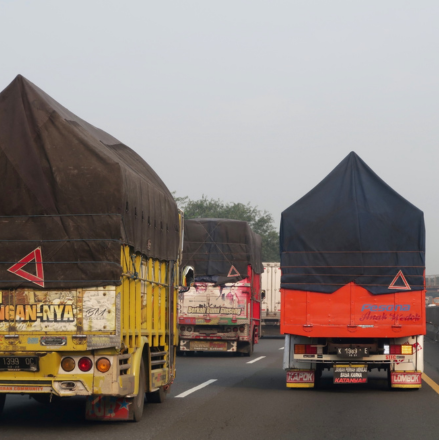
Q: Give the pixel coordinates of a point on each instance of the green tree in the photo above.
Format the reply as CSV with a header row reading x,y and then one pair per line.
x,y
260,221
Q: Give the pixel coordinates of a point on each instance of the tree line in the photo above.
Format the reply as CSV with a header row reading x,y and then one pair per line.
x,y
261,222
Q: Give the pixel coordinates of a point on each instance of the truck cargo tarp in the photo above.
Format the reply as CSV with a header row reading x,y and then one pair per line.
x,y
76,193
352,227
221,249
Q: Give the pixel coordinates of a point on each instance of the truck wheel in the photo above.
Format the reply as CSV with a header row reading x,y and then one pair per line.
x,y
249,350
158,396
318,376
2,402
389,381
139,400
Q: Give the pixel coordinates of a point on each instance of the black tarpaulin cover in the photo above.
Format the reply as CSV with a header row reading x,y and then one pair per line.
x,y
352,227
221,248
77,193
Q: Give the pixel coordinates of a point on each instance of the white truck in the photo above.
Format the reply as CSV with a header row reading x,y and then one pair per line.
x,y
271,305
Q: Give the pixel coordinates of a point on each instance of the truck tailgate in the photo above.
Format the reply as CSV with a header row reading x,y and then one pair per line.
x,y
352,311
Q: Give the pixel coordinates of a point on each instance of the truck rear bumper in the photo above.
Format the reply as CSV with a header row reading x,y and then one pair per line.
x,y
61,388
208,345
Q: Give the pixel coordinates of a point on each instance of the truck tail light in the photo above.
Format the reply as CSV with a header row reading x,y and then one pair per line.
x,y
85,364
241,328
103,365
406,349
304,349
401,349
189,329
310,349
228,329
395,349
299,349
182,328
68,364
235,329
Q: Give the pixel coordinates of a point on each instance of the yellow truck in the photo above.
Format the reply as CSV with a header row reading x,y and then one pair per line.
x,y
90,247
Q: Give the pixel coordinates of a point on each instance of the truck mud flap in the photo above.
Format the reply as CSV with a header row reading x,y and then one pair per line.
x,y
108,408
406,379
301,379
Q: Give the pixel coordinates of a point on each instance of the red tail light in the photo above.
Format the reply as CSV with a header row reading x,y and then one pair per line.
x,y
182,328
85,364
395,349
401,349
304,349
310,350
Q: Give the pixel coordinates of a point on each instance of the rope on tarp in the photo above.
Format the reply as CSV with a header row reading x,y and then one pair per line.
x,y
62,240
56,215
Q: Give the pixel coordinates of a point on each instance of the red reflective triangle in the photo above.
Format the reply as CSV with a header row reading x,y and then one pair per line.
x,y
392,284
34,255
233,272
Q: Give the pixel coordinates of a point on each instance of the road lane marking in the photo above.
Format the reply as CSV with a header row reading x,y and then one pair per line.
x,y
192,390
430,382
281,348
256,360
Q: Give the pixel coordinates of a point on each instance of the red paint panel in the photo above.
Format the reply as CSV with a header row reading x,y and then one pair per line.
x,y
352,311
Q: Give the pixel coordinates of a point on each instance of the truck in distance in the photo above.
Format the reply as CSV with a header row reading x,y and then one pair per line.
x,y
220,297
353,286
270,311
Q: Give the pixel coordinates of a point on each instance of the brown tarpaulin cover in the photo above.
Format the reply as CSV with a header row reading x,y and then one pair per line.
x,y
221,248
77,193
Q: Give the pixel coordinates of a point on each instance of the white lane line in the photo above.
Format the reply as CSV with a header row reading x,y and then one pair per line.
x,y
192,390
281,348
256,360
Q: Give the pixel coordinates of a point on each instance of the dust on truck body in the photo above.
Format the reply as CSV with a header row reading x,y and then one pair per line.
x,y
89,244
353,287
220,299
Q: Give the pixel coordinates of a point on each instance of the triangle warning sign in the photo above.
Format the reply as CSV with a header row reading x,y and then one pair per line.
x,y
233,272
401,276
17,268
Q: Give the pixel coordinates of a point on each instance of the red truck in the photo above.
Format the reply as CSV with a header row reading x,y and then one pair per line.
x,y
219,304
353,282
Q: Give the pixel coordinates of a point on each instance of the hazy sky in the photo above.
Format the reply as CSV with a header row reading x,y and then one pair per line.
x,y
249,101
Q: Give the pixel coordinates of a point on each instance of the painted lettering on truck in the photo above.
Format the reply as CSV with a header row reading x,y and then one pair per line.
x,y
386,308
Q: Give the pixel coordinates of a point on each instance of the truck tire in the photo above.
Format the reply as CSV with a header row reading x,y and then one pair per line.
x,y
2,402
139,400
158,396
318,376
249,350
389,381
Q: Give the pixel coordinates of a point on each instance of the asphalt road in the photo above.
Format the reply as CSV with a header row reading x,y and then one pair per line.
x,y
247,401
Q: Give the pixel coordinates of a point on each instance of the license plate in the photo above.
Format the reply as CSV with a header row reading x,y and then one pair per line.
x,y
19,363
350,373
352,353
209,345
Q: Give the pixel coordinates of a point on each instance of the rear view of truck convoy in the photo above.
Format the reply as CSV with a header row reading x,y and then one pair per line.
x,y
353,281
90,240
219,302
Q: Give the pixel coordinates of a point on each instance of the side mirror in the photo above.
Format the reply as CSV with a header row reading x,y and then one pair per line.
x,y
262,295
